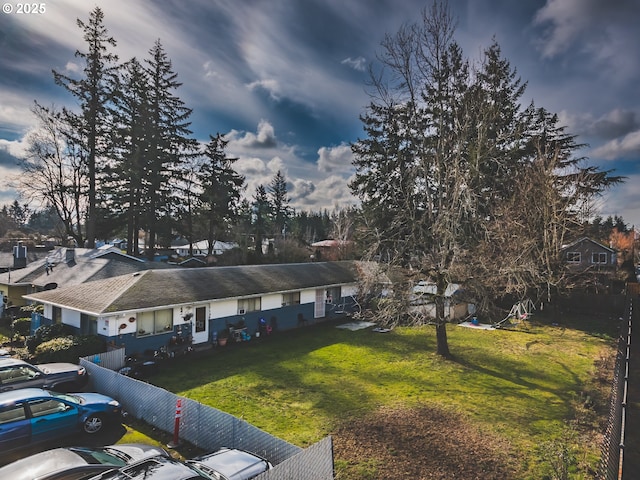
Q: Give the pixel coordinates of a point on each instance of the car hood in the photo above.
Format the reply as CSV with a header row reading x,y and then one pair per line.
x,y
233,464
91,398
41,464
138,451
51,368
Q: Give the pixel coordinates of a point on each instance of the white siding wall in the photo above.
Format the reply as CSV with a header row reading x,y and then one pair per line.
x,y
223,308
349,290
271,301
110,324
308,296
71,317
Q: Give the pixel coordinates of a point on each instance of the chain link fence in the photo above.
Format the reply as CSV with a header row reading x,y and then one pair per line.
x,y
612,460
208,428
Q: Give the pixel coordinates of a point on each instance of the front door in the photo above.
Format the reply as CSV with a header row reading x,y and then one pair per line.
x,y
200,326
320,304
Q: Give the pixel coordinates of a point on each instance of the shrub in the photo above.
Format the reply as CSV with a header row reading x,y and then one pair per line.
x,y
22,326
86,345
57,350
68,349
45,333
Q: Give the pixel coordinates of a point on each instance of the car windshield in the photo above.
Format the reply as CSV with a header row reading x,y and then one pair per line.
x,y
210,472
101,456
156,469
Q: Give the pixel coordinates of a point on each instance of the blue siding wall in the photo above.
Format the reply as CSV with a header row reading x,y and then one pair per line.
x,y
284,318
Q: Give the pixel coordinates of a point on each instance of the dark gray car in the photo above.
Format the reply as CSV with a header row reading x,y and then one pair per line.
x,y
61,377
231,464
223,464
78,462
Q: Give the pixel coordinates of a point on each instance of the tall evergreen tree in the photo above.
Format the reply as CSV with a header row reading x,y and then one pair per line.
x,y
281,210
94,92
124,176
261,214
221,188
447,161
169,144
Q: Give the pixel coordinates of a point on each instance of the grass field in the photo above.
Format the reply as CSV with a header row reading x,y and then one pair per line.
x,y
535,391
529,388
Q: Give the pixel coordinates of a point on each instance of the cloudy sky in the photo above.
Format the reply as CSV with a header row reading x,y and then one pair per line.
x,y
285,79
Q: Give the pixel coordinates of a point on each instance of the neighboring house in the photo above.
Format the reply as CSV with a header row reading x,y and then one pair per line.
x,y
68,266
156,308
330,250
201,248
455,308
587,254
19,257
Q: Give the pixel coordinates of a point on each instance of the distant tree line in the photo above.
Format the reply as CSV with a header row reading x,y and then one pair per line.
x,y
123,161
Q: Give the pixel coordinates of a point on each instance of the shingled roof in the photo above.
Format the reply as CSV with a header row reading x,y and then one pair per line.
x,y
157,288
83,265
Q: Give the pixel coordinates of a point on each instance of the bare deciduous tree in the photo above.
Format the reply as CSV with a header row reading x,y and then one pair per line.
x,y
54,171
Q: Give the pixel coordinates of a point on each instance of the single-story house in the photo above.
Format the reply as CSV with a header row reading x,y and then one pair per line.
x,y
19,257
152,309
69,266
587,254
422,301
201,248
330,249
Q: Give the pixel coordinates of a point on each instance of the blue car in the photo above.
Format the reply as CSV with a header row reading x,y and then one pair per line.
x,y
34,415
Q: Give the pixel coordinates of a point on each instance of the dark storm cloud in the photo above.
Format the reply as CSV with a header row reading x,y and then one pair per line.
x,y
8,160
615,124
299,68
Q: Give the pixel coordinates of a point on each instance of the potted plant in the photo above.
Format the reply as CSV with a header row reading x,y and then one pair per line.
x,y
223,337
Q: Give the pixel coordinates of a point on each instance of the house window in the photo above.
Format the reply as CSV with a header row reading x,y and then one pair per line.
x,y
574,257
332,295
599,257
155,322
291,298
252,304
201,318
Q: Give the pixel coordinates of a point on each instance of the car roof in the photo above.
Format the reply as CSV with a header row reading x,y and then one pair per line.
x,y
233,463
23,394
157,468
46,462
8,361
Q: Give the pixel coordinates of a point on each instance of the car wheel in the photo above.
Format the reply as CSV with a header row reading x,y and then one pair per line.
x,y
92,424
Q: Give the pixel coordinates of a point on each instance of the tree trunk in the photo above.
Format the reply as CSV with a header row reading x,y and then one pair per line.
x,y
443,343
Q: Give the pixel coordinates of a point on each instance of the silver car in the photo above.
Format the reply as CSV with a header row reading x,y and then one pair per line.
x,y
62,377
78,462
230,464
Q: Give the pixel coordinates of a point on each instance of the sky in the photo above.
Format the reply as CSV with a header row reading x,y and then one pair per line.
x,y
285,80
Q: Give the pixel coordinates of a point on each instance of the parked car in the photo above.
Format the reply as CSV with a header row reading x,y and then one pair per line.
x,y
15,373
34,415
231,464
223,464
78,462
157,468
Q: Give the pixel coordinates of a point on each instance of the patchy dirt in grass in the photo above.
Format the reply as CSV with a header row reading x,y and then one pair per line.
x,y
422,443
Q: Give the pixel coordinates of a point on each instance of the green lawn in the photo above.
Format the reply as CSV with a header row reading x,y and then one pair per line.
x,y
522,386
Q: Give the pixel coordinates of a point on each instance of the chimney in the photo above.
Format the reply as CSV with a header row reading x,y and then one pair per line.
x,y
19,256
70,256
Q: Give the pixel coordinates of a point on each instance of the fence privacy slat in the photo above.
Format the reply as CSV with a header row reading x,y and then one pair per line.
x,y
206,427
